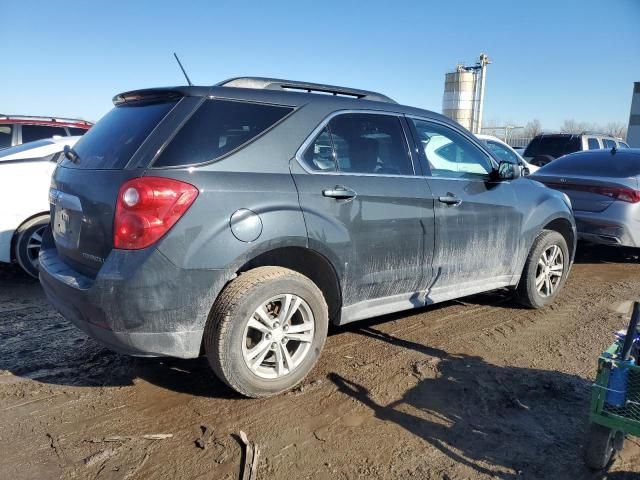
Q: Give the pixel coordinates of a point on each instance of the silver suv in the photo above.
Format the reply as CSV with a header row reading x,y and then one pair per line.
x,y
547,147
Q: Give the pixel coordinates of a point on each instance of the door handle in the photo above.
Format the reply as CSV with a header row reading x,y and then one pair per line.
x,y
450,200
339,193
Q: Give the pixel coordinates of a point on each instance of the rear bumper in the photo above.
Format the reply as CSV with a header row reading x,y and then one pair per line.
x,y
604,229
139,304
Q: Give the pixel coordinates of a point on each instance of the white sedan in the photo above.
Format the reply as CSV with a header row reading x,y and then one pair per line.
x,y
504,152
25,178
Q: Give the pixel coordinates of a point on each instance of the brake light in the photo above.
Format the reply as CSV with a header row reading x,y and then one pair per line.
x,y
623,194
147,207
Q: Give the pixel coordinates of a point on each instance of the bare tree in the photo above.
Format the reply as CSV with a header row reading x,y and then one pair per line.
x,y
616,129
532,128
571,126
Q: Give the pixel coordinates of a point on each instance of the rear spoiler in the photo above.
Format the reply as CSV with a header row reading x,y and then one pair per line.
x,y
158,94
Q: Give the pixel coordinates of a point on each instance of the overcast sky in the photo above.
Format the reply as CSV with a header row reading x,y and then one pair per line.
x,y
552,60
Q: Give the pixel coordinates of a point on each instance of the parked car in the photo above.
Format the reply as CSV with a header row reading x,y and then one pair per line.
x,y
19,129
505,153
604,188
238,220
25,177
546,147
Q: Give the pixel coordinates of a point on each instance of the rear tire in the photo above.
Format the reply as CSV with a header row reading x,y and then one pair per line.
x,y
553,273
26,246
266,331
600,447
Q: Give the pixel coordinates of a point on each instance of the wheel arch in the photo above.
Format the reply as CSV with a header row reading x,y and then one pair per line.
x,y
309,263
565,228
14,236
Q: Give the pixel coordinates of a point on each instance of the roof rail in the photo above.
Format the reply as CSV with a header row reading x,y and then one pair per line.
x,y
596,133
4,116
294,85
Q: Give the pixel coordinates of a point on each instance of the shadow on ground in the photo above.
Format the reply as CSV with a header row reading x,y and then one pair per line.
x,y
490,418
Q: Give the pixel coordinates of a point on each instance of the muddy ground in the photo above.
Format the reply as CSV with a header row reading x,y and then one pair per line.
x,y
478,388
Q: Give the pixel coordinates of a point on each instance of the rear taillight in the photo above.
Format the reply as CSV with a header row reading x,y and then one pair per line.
x,y
623,194
147,208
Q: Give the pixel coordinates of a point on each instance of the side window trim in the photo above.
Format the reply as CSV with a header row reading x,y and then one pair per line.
x,y
423,160
325,124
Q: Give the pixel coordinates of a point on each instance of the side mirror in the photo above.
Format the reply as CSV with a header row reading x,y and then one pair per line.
x,y
508,171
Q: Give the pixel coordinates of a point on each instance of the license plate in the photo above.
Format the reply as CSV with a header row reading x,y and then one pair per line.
x,y
67,220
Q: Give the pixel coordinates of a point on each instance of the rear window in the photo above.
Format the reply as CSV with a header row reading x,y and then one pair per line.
x,y
217,128
554,145
31,133
595,164
111,142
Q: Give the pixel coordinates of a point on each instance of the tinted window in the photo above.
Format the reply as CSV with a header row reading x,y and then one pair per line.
x,y
111,142
38,132
502,152
77,131
622,145
620,165
5,136
608,143
554,145
319,155
370,143
217,128
593,144
449,153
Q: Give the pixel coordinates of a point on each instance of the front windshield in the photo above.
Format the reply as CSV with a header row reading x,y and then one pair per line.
x,y
503,153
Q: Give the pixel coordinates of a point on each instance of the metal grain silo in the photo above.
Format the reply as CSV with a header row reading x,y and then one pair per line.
x,y
459,96
464,94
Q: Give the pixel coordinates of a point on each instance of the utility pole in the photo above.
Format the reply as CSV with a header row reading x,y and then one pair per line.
x,y
484,61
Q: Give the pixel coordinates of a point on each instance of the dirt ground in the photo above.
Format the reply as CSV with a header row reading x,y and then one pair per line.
x,y
477,388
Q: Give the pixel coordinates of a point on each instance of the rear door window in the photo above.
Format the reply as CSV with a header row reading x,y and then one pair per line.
x,y
111,142
370,143
319,155
593,144
608,143
6,132
31,133
217,128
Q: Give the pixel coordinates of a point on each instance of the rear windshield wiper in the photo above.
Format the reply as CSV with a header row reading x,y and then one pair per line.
x,y
71,154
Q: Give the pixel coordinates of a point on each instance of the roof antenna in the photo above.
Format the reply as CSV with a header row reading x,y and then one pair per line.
x,y
182,68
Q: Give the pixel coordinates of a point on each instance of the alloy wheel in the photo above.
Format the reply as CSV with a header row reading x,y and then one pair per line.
x,y
33,246
549,270
278,336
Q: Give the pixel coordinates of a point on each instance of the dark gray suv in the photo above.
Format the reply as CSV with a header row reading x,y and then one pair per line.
x,y
238,220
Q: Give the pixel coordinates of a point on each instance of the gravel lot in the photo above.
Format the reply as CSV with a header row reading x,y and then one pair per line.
x,y
478,388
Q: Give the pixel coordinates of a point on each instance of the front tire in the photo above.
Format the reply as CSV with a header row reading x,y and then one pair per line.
x,y
26,246
266,331
545,271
